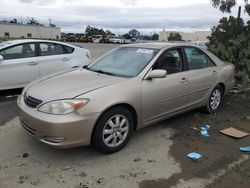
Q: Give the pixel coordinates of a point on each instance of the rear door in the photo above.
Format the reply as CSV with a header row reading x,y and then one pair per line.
x,y
202,75
164,96
19,67
54,57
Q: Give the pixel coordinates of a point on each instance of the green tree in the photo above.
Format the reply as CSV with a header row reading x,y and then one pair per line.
x,y
227,5
134,33
232,48
155,37
102,32
127,36
174,36
108,32
145,37
226,30
90,31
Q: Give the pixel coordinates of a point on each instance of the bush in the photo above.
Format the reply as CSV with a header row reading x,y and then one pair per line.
x,y
230,41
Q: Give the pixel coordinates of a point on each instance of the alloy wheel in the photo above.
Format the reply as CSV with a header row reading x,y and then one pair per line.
x,y
115,131
215,99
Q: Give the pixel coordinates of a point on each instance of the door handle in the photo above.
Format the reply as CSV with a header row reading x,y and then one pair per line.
x,y
215,72
184,80
32,63
65,59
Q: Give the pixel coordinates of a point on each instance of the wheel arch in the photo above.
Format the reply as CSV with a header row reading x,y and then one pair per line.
x,y
124,105
222,85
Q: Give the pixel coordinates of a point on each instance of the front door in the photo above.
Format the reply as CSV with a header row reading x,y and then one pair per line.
x,y
164,96
19,66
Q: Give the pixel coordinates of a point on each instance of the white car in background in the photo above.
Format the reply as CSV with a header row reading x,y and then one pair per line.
x,y
22,61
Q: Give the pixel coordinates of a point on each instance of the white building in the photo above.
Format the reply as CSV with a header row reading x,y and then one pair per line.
x,y
15,30
196,36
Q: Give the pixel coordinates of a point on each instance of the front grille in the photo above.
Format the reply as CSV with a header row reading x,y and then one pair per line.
x,y
31,101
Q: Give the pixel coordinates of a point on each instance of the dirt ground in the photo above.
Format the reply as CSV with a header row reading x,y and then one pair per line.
x,y
154,158
223,164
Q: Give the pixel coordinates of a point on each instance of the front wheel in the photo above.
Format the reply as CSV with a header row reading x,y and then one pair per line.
x,y
113,130
214,100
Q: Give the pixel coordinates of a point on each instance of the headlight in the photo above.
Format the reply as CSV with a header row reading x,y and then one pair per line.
x,y
62,107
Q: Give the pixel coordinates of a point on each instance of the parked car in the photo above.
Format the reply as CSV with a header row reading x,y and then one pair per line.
x,y
22,61
71,38
127,89
86,39
97,38
118,40
202,44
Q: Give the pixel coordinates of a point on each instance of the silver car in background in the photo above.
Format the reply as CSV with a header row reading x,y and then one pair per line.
x,y
127,89
22,61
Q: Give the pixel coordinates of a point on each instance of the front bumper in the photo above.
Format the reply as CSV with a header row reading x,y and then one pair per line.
x,y
60,131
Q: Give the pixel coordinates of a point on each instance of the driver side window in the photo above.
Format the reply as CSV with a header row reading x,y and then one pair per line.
x,y
170,60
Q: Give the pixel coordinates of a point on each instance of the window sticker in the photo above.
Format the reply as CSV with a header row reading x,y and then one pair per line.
x,y
145,51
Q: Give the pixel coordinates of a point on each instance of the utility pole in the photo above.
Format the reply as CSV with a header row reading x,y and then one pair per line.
x,y
49,21
238,21
239,12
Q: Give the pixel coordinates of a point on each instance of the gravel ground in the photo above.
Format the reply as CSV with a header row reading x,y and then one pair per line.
x,y
155,156
97,50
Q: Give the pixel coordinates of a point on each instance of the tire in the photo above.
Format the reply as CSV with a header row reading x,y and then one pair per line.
x,y
214,100
113,130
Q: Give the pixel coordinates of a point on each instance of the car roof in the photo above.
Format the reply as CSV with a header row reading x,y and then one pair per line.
x,y
159,45
21,41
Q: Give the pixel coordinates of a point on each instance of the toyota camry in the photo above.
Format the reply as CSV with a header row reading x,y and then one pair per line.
x,y
128,88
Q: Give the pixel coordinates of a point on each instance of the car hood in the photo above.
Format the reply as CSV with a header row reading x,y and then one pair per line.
x,y
69,84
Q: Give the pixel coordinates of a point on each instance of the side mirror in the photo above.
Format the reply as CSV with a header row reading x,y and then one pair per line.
x,y
157,73
1,58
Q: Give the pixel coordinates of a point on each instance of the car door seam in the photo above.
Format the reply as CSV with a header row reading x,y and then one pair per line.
x,y
165,100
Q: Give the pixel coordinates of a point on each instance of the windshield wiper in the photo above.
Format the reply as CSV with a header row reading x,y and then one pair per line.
x,y
85,67
101,72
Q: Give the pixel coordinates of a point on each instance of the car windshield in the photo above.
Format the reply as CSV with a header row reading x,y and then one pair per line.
x,y
124,61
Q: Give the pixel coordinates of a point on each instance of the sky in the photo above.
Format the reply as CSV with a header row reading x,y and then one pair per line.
x,y
119,16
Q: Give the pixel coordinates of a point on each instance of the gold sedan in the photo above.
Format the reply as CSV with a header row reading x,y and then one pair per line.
x,y
127,89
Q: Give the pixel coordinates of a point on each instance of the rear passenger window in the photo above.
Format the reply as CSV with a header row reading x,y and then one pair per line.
x,y
47,49
197,59
50,49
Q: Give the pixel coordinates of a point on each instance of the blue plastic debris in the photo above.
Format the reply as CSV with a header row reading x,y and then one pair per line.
x,y
204,130
194,155
206,126
245,149
204,133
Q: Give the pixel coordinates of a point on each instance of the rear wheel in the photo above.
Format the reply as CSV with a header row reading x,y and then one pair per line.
x,y
113,130
215,99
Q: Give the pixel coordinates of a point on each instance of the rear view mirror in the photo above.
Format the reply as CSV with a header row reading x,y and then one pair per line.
x,y
1,58
157,73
